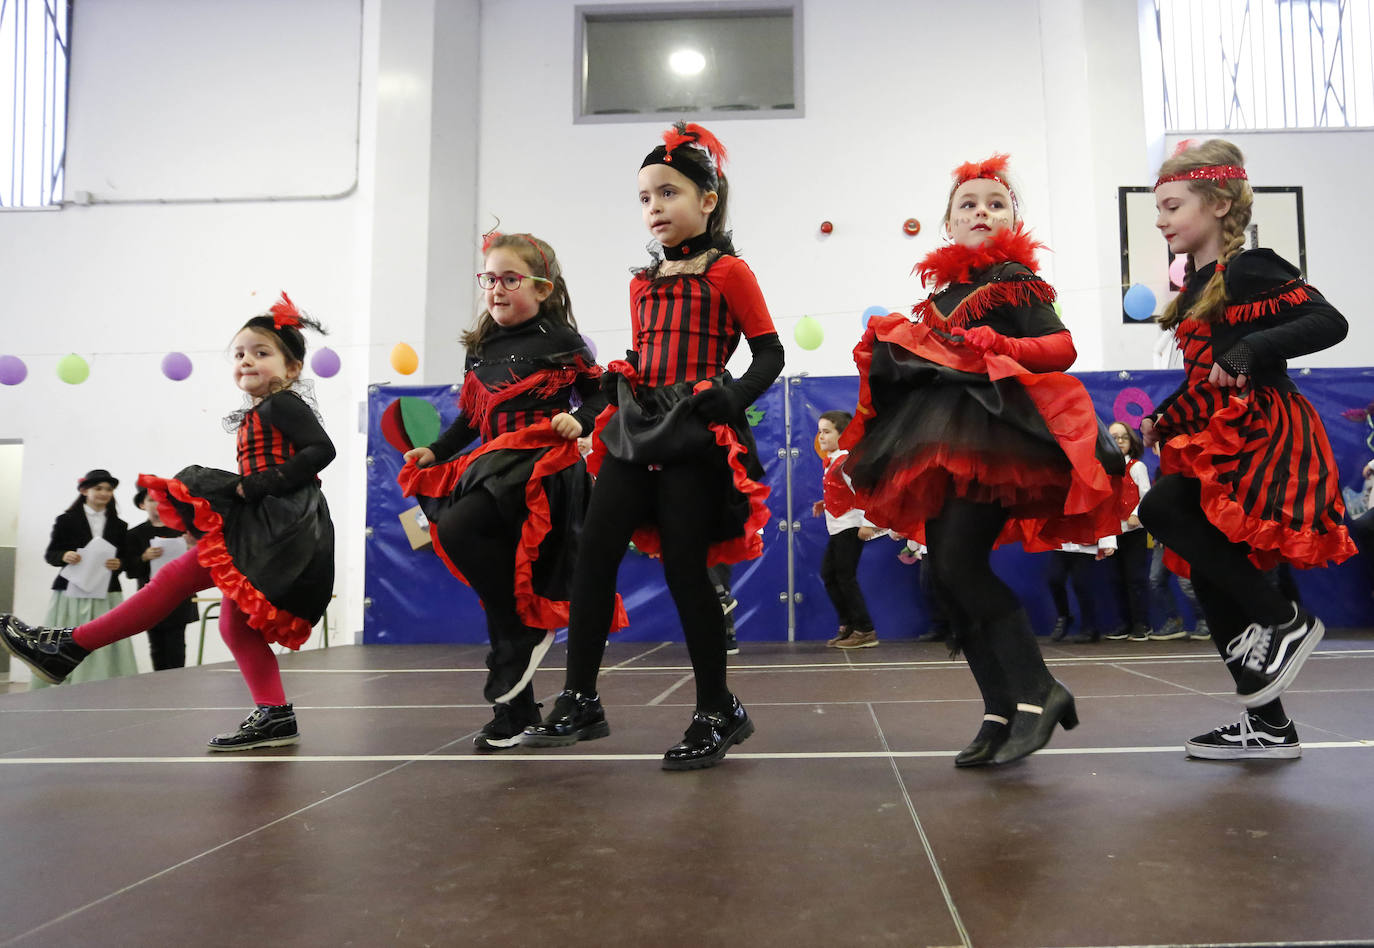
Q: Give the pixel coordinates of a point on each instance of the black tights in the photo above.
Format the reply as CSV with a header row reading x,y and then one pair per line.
x,y
677,499
992,628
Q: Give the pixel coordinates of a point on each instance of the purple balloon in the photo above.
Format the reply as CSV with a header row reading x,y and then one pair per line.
x,y
591,346
176,366
12,370
325,362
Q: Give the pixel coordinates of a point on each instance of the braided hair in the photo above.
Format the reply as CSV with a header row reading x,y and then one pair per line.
x,y
1211,302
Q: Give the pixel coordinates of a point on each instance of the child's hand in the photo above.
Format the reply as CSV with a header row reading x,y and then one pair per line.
x,y
818,508
113,563
1223,379
867,533
71,556
1148,433
1104,551
1132,521
423,457
983,339
152,553
566,426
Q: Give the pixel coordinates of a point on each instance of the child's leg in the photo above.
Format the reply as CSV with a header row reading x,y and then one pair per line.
x,y
621,501
167,644
170,586
1226,620
1132,556
1081,569
1172,510
257,662
829,579
685,492
848,550
1057,578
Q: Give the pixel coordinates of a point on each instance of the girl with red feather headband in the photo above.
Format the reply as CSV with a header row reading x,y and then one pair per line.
x,y
969,435
273,562
1248,478
505,517
677,467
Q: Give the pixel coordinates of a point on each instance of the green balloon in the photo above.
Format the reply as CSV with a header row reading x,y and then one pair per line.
x,y
73,369
808,332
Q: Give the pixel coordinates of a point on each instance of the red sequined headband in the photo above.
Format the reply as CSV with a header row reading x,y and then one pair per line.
x,y
490,237
284,313
1217,173
994,169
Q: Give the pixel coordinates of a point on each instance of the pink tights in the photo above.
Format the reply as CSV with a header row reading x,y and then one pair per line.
x,y
171,585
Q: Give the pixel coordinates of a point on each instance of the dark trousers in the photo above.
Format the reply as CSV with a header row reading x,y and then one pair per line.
x,y
840,574
167,643
1079,567
481,543
675,498
1130,566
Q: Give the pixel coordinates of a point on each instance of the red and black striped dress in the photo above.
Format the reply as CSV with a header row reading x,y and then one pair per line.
x,y
686,328
1268,476
270,549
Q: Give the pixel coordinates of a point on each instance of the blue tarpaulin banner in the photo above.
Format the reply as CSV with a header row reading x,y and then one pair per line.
x,y
412,598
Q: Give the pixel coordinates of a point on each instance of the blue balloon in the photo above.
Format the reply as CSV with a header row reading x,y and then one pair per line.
x,y
870,312
1139,302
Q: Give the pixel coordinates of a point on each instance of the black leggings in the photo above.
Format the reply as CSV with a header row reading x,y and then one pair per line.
x,y
675,499
1064,566
840,574
1131,566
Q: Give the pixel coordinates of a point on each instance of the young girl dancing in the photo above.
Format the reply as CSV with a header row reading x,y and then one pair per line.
x,y
264,537
507,515
1248,479
968,435
678,468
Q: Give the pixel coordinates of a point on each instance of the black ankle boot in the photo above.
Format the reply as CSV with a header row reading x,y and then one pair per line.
x,y
52,653
708,737
1031,729
575,717
986,743
270,725
1061,628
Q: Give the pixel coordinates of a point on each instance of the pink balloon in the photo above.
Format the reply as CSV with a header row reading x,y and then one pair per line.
x,y
1178,268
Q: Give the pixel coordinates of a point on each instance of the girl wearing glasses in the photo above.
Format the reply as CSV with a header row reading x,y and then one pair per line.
x,y
969,435
506,516
678,468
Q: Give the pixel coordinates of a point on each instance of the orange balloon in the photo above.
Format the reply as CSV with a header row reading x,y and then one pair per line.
x,y
404,359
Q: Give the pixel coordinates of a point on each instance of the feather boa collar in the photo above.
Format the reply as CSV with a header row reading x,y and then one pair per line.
x,y
956,263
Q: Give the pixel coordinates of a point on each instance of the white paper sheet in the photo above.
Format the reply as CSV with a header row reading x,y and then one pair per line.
x,y
89,579
171,548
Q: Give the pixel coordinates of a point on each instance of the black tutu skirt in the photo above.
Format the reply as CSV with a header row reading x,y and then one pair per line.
x,y
542,489
656,426
274,557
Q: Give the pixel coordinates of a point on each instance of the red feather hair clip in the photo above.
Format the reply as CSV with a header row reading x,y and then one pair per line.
x,y
994,168
692,134
284,312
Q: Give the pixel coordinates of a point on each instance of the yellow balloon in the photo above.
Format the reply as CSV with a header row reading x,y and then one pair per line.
x,y
404,359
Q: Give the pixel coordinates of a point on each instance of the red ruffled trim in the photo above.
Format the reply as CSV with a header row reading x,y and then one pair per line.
x,y
747,546
955,263
476,401
1282,298
1045,512
441,480
1270,542
276,625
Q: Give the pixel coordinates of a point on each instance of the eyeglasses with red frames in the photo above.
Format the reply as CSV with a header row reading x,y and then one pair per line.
x,y
510,279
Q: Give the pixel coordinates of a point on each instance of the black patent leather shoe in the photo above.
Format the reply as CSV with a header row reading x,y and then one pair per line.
x,y
986,743
52,653
575,717
708,737
1033,725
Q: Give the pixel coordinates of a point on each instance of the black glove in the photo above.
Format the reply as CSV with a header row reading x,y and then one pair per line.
x,y
1237,360
717,403
257,486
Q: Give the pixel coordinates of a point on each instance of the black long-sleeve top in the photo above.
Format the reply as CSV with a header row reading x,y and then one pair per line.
x,y
521,375
281,446
72,531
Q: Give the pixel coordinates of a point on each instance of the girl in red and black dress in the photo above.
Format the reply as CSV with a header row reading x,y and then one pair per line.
x,y
1248,479
968,435
264,537
678,469
506,516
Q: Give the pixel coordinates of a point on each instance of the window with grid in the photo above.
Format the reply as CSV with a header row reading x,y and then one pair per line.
x,y
33,94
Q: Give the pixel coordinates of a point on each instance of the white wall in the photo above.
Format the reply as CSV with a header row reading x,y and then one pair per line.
x,y
462,113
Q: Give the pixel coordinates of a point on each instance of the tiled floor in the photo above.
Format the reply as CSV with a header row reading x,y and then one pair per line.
x,y
842,822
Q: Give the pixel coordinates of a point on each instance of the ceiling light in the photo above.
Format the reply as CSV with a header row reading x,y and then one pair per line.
x,y
686,62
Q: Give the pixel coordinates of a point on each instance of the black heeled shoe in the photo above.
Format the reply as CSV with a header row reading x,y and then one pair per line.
x,y
1032,727
986,743
575,717
708,737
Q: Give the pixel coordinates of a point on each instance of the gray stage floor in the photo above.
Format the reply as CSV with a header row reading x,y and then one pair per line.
x,y
842,822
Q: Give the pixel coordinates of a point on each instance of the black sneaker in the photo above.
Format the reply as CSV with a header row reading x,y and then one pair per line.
x,y
507,725
1271,656
1171,630
731,643
1201,632
1140,633
270,725
728,603
1247,739
1119,634
51,653
575,717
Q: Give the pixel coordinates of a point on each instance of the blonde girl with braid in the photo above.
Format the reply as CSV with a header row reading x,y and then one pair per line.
x,y
1248,480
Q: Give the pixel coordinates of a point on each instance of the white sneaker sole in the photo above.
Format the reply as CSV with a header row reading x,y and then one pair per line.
x,y
273,742
1213,752
1276,687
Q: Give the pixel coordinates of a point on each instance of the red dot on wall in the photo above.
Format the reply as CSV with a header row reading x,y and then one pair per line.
x,y
826,227
911,227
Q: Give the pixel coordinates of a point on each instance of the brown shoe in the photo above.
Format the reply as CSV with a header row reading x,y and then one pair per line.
x,y
859,640
839,637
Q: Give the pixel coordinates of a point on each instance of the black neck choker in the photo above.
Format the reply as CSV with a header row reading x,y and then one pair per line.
x,y
688,248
